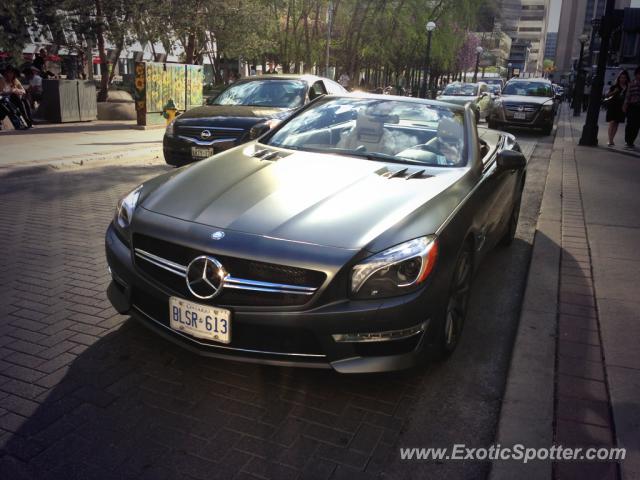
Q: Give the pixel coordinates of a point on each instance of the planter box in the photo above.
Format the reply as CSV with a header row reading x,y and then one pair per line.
x,y
69,101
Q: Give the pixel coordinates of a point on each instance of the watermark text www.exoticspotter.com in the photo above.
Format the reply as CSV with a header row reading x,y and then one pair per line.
x,y
516,452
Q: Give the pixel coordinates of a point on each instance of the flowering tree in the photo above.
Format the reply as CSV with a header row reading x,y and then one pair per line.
x,y
466,58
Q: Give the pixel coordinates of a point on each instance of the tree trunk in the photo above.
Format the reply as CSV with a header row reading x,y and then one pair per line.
x,y
103,94
189,51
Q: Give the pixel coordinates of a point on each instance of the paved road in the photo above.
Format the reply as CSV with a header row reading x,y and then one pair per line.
x,y
86,393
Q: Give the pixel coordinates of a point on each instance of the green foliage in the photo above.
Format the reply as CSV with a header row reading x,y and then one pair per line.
x,y
387,35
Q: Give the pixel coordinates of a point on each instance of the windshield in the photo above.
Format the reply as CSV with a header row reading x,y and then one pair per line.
x,y
397,131
494,88
529,89
264,93
461,89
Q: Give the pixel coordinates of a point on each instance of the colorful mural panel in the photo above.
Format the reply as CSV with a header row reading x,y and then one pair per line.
x,y
157,83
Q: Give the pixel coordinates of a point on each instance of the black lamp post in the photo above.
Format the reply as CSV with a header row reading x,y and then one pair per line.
x,y
509,70
590,130
578,88
479,51
431,26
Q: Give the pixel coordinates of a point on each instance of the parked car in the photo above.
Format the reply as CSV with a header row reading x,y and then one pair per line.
x,y
241,112
525,102
493,81
344,238
495,89
475,93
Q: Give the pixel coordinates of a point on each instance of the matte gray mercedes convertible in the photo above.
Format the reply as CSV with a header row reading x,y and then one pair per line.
x,y
345,238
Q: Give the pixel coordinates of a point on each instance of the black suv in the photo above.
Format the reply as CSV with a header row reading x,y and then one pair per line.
x,y
525,102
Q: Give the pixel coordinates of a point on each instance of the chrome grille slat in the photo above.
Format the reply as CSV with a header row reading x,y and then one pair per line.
x,y
230,281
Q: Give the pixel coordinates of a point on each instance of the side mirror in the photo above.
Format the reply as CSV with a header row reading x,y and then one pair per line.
x,y
511,160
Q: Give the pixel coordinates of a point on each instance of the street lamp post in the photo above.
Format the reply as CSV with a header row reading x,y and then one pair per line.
x,y
509,70
431,26
590,130
479,51
578,89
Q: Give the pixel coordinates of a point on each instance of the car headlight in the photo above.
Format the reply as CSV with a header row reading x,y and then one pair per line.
x,y
497,102
395,271
547,108
169,129
125,208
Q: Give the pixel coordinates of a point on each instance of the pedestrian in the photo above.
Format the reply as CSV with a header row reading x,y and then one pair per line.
x,y
33,85
631,108
41,58
344,80
13,89
271,69
614,102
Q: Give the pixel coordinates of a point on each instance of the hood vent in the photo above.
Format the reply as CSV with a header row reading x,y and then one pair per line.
x,y
266,154
405,173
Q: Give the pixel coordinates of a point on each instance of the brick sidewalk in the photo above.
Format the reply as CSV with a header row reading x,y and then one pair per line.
x,y
574,378
582,402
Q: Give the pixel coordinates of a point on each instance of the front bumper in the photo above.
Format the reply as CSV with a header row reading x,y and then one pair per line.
x,y
543,118
288,338
177,149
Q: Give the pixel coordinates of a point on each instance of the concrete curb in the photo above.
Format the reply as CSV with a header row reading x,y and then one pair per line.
x,y
526,415
150,154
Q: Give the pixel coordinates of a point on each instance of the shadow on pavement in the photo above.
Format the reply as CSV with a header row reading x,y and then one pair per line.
x,y
135,405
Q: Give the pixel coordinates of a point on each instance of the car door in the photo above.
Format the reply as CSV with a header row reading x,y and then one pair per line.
x,y
494,194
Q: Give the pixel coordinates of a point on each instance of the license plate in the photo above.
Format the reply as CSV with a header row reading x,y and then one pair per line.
x,y
520,115
202,321
201,152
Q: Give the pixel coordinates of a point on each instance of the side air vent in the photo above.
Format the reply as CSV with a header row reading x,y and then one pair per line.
x,y
267,154
405,173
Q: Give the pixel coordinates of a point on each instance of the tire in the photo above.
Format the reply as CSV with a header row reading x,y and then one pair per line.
x,y
548,129
512,226
457,304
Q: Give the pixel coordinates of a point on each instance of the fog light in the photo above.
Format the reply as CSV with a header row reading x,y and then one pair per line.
x,y
387,336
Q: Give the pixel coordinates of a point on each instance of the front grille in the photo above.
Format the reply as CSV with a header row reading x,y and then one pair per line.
x,y
215,133
269,339
237,267
526,107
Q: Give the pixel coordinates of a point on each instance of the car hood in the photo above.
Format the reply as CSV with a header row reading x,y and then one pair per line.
x,y
525,99
230,111
457,99
321,199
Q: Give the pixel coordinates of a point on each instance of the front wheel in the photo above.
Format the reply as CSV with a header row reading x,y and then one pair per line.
x,y
547,130
457,304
